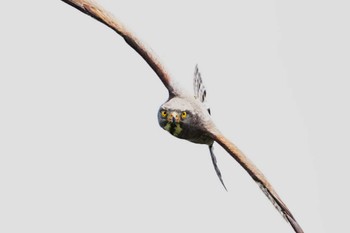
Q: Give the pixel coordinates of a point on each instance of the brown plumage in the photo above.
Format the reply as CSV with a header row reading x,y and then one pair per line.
x,y
185,116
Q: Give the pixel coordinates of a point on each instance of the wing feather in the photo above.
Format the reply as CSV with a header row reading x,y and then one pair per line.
x,y
259,178
94,10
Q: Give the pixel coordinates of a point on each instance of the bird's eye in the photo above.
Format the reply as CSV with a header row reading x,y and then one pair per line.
x,y
183,115
163,113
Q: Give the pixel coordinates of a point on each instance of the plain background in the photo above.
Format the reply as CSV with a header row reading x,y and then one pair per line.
x,y
80,146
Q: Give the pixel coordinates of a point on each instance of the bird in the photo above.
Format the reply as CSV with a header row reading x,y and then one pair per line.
x,y
185,115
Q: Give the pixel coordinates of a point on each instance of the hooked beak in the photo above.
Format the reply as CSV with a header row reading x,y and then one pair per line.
x,y
173,118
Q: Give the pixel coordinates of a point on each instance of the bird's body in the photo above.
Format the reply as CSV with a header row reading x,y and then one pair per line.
x,y
186,116
191,127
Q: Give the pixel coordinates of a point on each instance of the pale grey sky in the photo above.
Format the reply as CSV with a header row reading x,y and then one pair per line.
x,y
80,146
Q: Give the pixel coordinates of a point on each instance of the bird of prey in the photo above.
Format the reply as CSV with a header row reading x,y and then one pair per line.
x,y
185,115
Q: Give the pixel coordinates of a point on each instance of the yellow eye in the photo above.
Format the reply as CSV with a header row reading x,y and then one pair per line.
x,y
163,113
183,115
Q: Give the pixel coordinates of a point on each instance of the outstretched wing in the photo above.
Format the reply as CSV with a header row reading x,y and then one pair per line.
x,y
258,177
91,8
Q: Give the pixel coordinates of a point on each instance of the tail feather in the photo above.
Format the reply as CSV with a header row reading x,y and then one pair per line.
x,y
217,170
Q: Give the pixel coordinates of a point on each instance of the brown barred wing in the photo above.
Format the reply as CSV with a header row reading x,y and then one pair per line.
x,y
94,10
259,178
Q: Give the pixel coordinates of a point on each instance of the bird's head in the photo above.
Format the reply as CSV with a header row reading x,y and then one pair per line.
x,y
175,116
184,118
